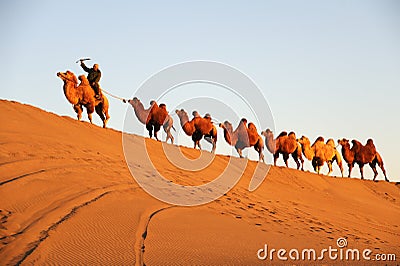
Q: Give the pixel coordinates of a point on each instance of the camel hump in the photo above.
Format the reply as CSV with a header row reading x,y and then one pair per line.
x,y
283,133
252,127
320,139
163,106
153,104
207,116
356,142
83,79
268,131
330,142
292,135
370,142
195,114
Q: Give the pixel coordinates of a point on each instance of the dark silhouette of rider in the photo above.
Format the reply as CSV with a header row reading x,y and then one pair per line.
x,y
94,75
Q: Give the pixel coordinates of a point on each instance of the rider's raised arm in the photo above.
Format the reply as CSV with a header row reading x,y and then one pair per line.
x,y
84,67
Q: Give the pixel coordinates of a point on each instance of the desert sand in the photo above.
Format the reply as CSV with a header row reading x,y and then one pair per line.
x,y
67,197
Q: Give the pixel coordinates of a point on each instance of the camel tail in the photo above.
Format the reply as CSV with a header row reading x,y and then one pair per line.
x,y
173,128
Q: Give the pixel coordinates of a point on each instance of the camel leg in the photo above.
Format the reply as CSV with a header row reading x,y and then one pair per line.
x,y
285,159
169,136
361,170
261,156
373,166
99,111
302,163
198,144
380,164
156,129
90,118
276,156
239,151
149,127
90,110
341,168
384,171
105,111
295,158
301,158
208,138
166,128
214,146
329,167
350,168
78,111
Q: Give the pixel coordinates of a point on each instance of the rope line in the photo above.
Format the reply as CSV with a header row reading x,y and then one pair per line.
x,y
112,95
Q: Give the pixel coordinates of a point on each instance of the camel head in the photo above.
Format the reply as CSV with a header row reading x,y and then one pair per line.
x,y
135,101
68,76
343,142
303,140
267,133
181,113
226,126
183,116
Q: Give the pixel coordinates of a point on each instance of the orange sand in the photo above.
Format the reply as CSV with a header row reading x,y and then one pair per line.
x,y
67,197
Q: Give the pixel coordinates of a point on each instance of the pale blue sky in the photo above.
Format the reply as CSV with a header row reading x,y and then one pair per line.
x,y
329,68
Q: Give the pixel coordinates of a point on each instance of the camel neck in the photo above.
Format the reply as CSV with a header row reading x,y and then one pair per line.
x,y
70,92
270,143
141,113
307,151
227,136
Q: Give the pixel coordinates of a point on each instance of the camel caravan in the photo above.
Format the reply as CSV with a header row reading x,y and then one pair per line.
x,y
244,136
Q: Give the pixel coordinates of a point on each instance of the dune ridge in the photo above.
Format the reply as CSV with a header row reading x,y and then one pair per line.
x,y
67,197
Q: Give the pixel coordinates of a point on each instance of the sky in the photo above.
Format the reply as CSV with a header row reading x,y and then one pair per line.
x,y
325,68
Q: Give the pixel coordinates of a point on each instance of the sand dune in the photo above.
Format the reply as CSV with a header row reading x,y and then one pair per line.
x,y
67,197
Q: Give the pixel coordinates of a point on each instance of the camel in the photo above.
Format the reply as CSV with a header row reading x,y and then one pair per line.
x,y
361,155
284,144
197,128
154,117
83,95
321,152
244,136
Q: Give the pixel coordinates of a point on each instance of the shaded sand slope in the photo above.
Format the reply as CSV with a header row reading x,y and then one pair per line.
x,y
67,197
